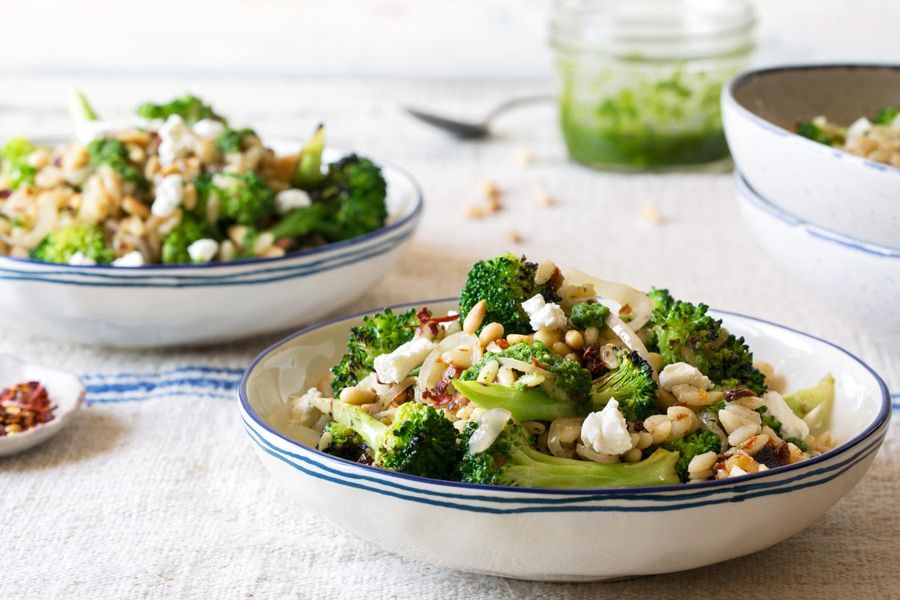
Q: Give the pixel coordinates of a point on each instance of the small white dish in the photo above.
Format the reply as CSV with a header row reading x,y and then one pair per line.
x,y
824,186
859,280
169,305
606,533
66,393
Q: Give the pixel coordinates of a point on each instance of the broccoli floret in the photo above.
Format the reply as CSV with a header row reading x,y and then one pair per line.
x,y
233,140
14,167
112,152
815,133
175,244
698,442
683,332
62,244
570,382
799,443
343,442
504,282
188,107
589,314
356,190
769,420
886,115
631,384
512,460
244,198
379,334
308,173
420,440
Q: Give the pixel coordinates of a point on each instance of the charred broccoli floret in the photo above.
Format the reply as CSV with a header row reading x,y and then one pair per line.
x,y
420,440
631,384
379,334
244,198
589,314
14,167
343,442
684,332
504,282
512,460
188,107
61,245
693,444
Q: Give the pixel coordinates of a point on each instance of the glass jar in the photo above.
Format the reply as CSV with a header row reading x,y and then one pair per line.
x,y
640,79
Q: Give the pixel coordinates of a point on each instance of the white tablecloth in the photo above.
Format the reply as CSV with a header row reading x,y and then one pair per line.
x,y
154,490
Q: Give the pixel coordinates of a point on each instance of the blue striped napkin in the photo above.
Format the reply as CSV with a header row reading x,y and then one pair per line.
x,y
190,380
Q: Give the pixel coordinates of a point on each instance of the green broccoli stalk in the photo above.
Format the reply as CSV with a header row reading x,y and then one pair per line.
x,y
14,167
313,219
589,314
62,244
683,332
813,132
343,442
569,381
504,282
112,152
526,404
175,244
512,460
886,115
80,109
244,198
379,334
814,405
420,441
693,444
189,107
308,174
631,384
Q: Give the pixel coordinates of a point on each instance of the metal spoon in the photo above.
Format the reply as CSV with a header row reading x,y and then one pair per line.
x,y
469,130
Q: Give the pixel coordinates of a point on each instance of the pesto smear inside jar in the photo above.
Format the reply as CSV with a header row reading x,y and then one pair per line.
x,y
639,82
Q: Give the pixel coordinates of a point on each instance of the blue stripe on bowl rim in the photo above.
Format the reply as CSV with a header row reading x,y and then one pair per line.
x,y
411,216
883,416
244,279
732,494
728,97
746,190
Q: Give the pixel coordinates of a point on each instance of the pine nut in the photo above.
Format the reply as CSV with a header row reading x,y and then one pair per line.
x,y
573,357
662,432
742,434
574,339
561,348
547,336
461,357
633,455
517,338
490,333
488,372
505,376
355,395
591,335
645,441
702,462
135,207
475,317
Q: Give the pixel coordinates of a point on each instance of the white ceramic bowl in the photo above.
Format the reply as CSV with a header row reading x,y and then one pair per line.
x,y
861,281
64,389
608,533
164,305
827,187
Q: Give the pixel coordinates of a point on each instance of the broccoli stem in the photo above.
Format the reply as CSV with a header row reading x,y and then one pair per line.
x,y
308,174
80,108
525,405
369,428
532,468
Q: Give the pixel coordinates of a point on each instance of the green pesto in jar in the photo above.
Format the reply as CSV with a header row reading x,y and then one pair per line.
x,y
645,119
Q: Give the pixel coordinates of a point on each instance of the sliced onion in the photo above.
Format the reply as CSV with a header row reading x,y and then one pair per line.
x,y
623,295
711,421
564,430
490,424
429,375
630,339
523,367
604,459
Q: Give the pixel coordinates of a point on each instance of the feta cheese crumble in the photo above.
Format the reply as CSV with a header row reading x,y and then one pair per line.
x,y
176,140
169,192
394,367
542,314
288,200
681,373
606,431
79,259
132,259
209,128
203,251
792,426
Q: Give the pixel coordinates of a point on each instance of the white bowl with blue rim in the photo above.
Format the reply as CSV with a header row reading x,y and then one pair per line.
x,y
166,305
824,186
859,280
571,535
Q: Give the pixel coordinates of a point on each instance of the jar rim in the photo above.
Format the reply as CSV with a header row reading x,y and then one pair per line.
x,y
653,29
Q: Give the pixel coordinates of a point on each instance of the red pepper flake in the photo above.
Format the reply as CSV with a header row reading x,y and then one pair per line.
x,y
23,407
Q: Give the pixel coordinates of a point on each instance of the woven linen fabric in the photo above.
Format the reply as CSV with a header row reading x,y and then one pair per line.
x,y
154,490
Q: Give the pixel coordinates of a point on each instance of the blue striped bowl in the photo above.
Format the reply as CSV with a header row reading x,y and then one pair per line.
x,y
570,535
164,305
